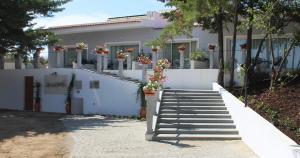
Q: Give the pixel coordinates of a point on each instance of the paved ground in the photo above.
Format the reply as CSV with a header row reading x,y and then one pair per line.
x,y
33,135
96,136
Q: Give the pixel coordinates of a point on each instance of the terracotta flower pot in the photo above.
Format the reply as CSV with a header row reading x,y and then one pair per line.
x,y
211,47
143,112
243,46
154,50
148,92
105,52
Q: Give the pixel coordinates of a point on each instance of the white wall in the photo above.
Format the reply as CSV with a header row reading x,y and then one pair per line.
x,y
260,135
115,96
180,78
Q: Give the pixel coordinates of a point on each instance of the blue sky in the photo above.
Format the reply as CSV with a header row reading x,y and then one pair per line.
x,y
84,11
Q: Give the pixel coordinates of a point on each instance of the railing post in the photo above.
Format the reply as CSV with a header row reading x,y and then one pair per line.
x,y
151,106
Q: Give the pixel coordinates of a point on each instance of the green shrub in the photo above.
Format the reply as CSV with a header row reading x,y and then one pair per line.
x,y
199,56
288,123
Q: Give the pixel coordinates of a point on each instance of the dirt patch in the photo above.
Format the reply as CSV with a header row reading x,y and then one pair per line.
x,y
282,108
34,135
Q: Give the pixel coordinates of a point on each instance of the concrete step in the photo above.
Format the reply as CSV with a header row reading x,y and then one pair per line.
x,y
194,107
197,131
195,116
190,94
193,103
192,97
168,111
194,120
189,91
192,100
196,125
196,137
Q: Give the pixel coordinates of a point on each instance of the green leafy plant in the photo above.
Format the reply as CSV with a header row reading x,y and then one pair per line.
x,y
288,123
70,88
199,56
141,94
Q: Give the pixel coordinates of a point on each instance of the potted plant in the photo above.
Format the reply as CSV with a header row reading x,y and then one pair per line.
x,y
181,48
58,48
163,64
155,49
211,47
81,46
151,88
99,50
199,60
105,51
68,105
144,60
129,50
121,55
37,103
141,94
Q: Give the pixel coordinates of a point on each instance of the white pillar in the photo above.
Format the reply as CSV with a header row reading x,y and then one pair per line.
x,y
79,58
144,73
99,63
211,59
128,61
192,64
121,67
181,59
154,59
59,58
105,61
151,106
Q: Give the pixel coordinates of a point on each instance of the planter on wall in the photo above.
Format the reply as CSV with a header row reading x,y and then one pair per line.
x,y
199,64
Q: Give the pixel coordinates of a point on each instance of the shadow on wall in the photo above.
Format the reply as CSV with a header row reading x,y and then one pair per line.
x,y
30,124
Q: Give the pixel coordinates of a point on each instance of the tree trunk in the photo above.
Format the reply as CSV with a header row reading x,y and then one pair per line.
x,y
18,62
36,59
233,45
2,61
273,63
248,58
221,49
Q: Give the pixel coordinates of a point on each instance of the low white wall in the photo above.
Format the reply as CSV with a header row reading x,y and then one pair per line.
x,y
180,78
117,97
260,135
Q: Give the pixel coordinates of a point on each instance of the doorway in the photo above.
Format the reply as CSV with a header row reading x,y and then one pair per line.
x,y
29,84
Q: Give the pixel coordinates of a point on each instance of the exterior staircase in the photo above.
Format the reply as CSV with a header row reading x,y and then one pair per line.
x,y
194,115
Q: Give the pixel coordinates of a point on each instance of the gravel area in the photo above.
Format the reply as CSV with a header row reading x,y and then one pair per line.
x,y
97,136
